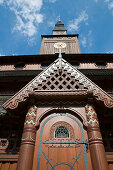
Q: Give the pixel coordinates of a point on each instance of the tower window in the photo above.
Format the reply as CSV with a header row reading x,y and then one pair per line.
x,y
101,64
44,65
19,66
75,64
61,132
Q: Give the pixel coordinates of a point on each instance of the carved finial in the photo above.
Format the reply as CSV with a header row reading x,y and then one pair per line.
x,y
59,18
60,61
60,54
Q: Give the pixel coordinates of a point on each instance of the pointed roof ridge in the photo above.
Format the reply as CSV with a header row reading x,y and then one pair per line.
x,y
4,105
81,81
20,96
59,26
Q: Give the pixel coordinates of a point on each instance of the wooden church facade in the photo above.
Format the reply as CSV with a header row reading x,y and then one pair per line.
x,y
56,108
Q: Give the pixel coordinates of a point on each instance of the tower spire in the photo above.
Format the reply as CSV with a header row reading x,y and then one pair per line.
x,y
59,28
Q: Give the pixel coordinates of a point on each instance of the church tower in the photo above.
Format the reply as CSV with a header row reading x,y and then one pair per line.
x,y
63,107
60,35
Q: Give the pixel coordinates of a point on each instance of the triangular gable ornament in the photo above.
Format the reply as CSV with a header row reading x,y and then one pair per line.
x,y
59,65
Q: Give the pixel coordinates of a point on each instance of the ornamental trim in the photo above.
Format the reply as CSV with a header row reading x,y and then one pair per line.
x,y
23,94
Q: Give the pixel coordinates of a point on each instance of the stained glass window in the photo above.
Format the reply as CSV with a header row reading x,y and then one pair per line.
x,y
61,132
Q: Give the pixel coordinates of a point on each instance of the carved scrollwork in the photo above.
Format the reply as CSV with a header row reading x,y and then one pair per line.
x,y
23,94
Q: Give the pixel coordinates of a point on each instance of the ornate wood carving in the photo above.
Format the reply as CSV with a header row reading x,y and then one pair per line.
x,y
29,127
61,110
62,81
92,120
61,123
28,141
73,73
93,126
95,140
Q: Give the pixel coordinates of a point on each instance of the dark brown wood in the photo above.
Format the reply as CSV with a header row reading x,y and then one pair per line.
x,y
99,161
28,141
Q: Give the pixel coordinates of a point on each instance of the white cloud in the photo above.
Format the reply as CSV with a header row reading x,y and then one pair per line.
x,y
51,23
86,41
110,5
96,1
52,1
28,15
75,24
106,0
1,1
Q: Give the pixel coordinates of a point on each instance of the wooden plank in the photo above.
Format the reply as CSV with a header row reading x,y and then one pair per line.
x,y
5,166
111,166
13,166
8,158
109,156
0,165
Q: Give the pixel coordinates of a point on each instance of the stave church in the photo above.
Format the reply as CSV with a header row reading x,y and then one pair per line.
x,y
56,108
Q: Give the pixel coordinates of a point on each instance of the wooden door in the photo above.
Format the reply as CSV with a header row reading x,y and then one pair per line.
x,y
62,144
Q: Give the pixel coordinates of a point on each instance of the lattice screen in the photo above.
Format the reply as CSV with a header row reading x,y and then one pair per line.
x,y
63,81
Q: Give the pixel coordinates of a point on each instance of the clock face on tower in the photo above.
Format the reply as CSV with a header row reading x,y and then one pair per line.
x,y
60,45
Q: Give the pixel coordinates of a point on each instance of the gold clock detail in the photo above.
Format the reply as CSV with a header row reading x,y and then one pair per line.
x,y
60,45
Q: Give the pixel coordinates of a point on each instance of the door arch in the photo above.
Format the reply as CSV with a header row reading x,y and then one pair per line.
x,y
42,152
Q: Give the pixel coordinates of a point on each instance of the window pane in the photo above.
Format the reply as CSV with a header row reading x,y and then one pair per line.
x,y
61,132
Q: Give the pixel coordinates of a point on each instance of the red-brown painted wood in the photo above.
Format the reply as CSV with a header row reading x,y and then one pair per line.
x,y
60,154
26,153
98,157
111,166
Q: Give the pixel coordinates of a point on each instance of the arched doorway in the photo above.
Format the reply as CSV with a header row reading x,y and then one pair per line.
x,y
61,144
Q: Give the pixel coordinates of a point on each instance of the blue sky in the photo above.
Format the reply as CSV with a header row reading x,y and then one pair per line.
x,y
22,22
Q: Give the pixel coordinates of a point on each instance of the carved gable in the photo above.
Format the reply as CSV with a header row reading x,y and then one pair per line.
x,y
60,75
60,81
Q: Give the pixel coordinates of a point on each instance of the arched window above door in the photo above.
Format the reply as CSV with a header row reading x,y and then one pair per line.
x,y
61,132
61,129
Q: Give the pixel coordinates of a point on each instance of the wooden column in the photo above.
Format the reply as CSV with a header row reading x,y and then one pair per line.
x,y
26,153
96,146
